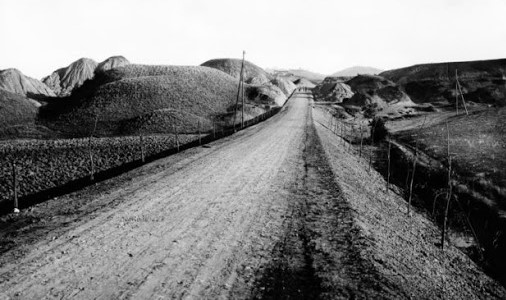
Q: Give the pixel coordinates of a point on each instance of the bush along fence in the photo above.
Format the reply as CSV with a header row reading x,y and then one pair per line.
x,y
430,185
32,171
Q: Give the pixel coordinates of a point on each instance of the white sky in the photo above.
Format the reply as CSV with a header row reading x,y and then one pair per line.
x,y
39,36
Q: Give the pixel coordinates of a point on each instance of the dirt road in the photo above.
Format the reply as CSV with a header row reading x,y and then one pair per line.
x,y
204,227
256,215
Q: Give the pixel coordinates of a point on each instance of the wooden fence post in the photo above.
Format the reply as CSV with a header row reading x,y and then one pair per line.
x,y
411,184
388,169
141,139
361,140
92,161
456,96
15,187
198,129
449,196
370,159
414,168
177,137
342,135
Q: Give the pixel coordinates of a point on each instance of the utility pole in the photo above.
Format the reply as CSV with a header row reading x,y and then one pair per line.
x,y
239,91
242,84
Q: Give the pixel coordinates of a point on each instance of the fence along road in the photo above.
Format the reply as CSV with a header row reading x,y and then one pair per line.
x,y
201,228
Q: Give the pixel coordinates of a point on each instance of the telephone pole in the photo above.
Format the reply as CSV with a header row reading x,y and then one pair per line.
x,y
242,85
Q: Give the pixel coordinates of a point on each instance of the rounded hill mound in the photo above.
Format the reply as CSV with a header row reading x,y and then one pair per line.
x,y
111,63
482,81
252,73
137,90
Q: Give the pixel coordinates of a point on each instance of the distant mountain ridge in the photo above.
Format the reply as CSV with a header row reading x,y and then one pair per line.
x,y
358,70
294,74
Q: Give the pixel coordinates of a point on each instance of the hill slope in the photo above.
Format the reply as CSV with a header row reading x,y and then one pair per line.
x,y
354,71
139,90
482,81
252,73
64,80
14,81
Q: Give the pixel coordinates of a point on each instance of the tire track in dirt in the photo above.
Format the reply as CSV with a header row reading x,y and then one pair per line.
x,y
319,256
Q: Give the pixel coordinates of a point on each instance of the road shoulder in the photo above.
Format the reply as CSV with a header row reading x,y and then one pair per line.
x,y
403,250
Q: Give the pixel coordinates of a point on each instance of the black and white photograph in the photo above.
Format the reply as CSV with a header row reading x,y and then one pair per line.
x,y
268,149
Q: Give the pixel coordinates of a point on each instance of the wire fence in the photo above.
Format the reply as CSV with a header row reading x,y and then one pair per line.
x,y
429,184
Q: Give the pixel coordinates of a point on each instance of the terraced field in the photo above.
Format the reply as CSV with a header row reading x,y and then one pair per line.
x,y
45,164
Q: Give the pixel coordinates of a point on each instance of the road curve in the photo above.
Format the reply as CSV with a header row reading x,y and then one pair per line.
x,y
204,228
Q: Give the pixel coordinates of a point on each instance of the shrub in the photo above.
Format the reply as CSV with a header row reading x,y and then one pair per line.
x,y
378,129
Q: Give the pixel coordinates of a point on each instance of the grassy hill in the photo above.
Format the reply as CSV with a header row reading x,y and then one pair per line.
x,y
18,117
130,98
482,81
15,109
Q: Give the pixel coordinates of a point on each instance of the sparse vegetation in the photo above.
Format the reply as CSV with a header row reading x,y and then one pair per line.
x,y
378,130
44,164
